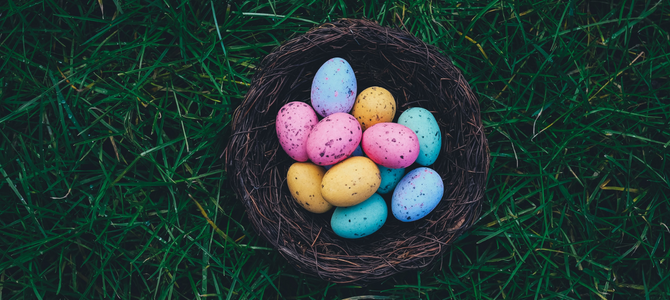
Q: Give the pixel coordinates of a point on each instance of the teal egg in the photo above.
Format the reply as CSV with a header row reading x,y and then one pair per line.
x,y
360,220
423,123
390,178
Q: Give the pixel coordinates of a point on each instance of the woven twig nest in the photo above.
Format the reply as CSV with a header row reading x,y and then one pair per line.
x,y
417,75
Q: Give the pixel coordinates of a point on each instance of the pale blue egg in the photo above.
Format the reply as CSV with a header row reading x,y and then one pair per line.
x,y
390,178
334,87
423,123
417,194
360,220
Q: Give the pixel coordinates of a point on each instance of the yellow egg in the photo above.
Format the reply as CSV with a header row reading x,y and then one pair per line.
x,y
304,182
351,181
373,105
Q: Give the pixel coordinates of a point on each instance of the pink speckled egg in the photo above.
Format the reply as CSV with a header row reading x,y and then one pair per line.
x,y
295,121
391,145
333,139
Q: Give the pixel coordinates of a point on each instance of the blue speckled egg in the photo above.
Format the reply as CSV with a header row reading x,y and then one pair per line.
x,y
360,220
423,123
334,87
390,178
417,194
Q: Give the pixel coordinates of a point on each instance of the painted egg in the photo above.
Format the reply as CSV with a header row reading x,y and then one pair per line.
x,y
373,105
391,145
417,194
294,122
334,87
360,220
350,182
390,178
304,182
333,139
424,125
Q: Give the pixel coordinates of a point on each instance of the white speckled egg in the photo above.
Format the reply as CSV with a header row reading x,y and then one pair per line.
x,y
417,194
334,87
423,123
333,139
360,220
294,122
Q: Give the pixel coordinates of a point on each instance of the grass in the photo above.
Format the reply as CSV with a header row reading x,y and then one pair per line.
x,y
113,115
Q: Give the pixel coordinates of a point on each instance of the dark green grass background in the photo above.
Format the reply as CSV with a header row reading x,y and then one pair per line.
x,y
113,115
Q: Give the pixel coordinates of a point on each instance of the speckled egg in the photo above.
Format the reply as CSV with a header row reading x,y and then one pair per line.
x,y
304,182
373,105
390,178
391,145
350,182
334,87
417,194
360,220
424,125
333,139
294,122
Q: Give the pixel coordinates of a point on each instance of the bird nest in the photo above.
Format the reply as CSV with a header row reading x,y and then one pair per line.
x,y
418,76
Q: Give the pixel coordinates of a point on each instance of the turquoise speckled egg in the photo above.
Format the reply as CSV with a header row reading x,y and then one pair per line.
x,y
423,123
417,194
390,178
360,220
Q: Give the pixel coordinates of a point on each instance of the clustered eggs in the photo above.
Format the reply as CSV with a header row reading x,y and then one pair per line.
x,y
354,153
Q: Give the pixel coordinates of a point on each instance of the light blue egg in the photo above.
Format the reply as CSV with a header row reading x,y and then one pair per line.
x,y
423,123
390,178
417,194
360,220
334,87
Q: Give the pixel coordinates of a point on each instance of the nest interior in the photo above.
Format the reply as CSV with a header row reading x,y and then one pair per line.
x,y
417,75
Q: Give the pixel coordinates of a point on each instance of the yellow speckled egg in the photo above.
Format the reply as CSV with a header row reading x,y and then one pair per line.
x,y
373,105
351,181
304,182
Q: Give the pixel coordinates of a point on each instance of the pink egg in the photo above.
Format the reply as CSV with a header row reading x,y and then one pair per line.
x,y
295,121
391,145
333,139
